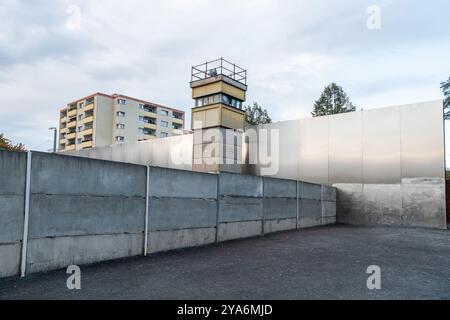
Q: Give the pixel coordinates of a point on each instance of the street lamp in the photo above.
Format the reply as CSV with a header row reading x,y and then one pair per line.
x,y
54,138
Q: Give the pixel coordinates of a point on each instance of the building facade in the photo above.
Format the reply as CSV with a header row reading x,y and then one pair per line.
x,y
102,120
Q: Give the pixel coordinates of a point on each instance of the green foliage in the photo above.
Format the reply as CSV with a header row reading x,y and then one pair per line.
x,y
255,115
333,100
5,144
445,86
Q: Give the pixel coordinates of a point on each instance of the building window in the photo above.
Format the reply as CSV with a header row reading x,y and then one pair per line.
x,y
120,126
141,130
164,135
81,105
177,115
121,101
164,124
164,112
141,106
120,114
176,126
120,139
80,128
80,140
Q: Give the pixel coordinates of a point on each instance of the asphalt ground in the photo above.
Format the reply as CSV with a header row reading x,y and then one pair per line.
x,y
318,263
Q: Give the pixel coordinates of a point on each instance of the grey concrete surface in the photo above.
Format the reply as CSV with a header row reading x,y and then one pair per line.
x,y
415,202
310,213
182,209
238,230
183,238
86,210
85,176
71,215
318,263
12,190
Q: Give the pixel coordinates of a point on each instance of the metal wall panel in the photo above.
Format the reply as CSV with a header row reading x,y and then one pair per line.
x,y
381,145
345,148
313,150
287,156
422,135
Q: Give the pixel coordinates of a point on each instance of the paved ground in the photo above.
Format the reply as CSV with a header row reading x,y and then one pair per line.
x,y
323,263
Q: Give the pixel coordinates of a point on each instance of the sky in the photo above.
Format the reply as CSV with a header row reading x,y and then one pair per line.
x,y
53,52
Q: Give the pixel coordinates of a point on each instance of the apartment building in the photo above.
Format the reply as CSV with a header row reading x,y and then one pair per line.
x,y
101,120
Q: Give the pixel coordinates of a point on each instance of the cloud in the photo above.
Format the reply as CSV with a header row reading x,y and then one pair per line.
x,y
291,48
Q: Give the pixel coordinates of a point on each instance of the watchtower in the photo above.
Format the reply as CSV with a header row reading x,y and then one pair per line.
x,y
219,89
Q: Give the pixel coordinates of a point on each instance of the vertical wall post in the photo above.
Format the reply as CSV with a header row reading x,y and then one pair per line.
x,y
217,207
297,224
263,198
147,202
23,262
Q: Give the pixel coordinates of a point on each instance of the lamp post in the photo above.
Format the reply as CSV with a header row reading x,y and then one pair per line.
x,y
54,138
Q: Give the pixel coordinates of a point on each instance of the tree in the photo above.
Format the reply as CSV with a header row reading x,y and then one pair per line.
x,y
333,100
445,86
5,144
255,115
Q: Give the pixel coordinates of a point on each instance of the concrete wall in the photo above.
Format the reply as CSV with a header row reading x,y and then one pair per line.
x,y
413,202
182,209
85,210
280,205
12,190
240,206
94,208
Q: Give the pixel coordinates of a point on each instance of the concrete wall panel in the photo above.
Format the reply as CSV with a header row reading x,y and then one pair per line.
x,y
239,230
240,209
183,184
176,213
280,188
423,202
240,185
12,199
279,225
70,215
176,239
328,209
310,191
280,208
10,259
11,217
56,174
54,253
310,213
328,193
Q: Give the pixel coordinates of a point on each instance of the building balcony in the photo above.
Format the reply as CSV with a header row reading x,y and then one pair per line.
x,y
63,120
86,144
150,114
177,132
70,147
88,131
87,119
72,113
62,130
88,107
72,124
71,135
150,126
180,121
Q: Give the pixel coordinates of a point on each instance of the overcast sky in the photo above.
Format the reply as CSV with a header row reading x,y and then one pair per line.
x,y
53,52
